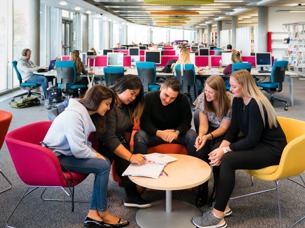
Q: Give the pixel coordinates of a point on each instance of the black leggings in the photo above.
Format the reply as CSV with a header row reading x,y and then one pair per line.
x,y
120,166
256,158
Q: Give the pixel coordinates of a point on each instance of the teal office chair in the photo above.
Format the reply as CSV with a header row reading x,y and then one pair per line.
x,y
147,74
113,74
238,66
185,73
66,78
29,86
275,85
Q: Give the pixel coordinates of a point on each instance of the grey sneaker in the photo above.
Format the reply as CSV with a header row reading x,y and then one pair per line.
x,y
228,212
208,220
47,104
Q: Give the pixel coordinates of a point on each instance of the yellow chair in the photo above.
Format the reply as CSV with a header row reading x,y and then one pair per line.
x,y
291,163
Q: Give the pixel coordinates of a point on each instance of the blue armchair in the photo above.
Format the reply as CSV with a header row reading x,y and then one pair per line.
x,y
29,86
185,73
113,74
238,66
147,74
275,85
66,77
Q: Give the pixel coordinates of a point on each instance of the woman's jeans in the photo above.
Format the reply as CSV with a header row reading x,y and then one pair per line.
x,y
100,168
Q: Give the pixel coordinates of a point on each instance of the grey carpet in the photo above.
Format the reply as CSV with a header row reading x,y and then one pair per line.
x,y
256,211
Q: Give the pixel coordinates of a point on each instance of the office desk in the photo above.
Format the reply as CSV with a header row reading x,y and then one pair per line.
x,y
289,77
187,172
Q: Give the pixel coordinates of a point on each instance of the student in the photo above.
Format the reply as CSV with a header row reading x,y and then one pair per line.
x,y
166,118
185,58
114,143
229,47
68,138
26,68
236,58
260,146
214,106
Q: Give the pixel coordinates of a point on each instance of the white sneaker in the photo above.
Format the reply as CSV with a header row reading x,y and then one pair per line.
x,y
209,220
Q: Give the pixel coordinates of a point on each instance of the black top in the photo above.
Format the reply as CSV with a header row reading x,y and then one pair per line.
x,y
248,120
177,115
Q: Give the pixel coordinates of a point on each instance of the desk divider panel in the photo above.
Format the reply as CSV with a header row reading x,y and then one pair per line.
x,y
215,60
202,61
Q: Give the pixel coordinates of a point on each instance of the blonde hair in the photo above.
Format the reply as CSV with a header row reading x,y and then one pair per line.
x,y
236,57
78,62
224,102
250,89
184,56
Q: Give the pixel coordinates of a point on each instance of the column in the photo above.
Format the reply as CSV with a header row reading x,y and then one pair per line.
x,y
34,34
209,34
219,28
234,27
262,28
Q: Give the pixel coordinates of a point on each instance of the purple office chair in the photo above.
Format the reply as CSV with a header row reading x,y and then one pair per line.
x,y
36,165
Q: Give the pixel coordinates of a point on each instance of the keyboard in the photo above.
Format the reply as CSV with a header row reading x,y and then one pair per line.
x,y
264,71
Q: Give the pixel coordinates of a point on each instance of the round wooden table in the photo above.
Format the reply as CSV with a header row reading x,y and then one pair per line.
x,y
187,172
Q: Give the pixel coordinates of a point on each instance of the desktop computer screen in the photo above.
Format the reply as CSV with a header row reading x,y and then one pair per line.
x,y
115,59
192,57
194,48
263,60
204,51
143,47
226,58
153,56
134,51
83,57
106,51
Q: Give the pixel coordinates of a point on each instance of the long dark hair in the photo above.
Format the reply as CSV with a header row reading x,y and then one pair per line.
x,y
131,82
92,100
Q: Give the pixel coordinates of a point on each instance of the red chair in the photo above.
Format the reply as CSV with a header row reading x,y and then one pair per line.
x,y
36,165
5,121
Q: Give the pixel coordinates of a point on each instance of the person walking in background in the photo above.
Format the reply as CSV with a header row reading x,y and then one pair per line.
x,y
114,142
214,106
68,138
260,146
166,118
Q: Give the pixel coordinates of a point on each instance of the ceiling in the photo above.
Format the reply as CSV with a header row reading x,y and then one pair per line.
x,y
138,12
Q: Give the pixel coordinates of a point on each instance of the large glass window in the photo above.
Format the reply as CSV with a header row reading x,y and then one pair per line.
x,y
3,43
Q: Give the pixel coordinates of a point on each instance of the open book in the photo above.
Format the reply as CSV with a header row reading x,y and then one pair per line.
x,y
153,166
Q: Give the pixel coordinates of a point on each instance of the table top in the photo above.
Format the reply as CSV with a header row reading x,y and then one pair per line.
x,y
186,172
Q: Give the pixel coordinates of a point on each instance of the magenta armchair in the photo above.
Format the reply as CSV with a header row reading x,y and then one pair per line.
x,y
36,165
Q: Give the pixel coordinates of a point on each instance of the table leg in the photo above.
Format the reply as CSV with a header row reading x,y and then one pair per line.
x,y
168,198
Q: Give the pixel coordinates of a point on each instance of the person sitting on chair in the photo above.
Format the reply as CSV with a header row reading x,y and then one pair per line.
x,y
214,106
235,58
166,118
26,68
261,144
68,139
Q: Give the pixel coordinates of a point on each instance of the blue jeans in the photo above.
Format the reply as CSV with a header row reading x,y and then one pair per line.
x,y
100,168
41,80
142,140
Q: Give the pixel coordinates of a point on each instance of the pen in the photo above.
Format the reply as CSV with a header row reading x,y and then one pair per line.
x,y
165,172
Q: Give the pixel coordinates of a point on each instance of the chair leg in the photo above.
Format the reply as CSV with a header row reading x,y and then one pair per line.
x,y
26,193
283,101
10,184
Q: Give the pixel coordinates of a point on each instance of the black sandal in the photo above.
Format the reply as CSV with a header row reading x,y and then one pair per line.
x,y
120,223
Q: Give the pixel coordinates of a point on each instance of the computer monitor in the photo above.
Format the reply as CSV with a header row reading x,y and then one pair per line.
x,y
192,57
263,60
194,48
115,59
143,47
226,58
153,56
204,51
134,51
106,51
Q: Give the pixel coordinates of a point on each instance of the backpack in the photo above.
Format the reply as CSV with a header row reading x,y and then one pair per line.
x,y
55,94
25,102
168,66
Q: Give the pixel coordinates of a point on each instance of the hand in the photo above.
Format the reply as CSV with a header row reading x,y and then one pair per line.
x,y
138,159
168,135
200,142
215,157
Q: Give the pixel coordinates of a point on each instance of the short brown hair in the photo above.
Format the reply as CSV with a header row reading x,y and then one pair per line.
x,y
173,83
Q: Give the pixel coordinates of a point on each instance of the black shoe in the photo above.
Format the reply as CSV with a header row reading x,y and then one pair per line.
x,y
136,202
89,222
